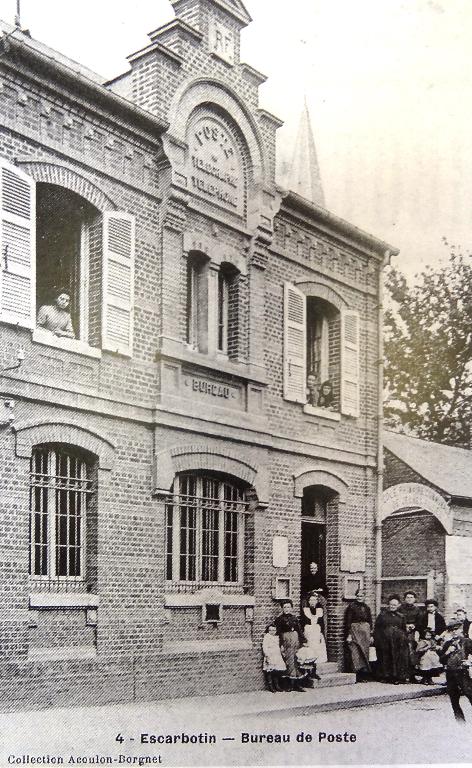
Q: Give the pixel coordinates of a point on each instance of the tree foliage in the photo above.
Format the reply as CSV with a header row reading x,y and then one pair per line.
x,y
428,350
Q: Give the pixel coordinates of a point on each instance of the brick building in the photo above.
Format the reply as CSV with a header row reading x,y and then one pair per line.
x,y
427,521
168,474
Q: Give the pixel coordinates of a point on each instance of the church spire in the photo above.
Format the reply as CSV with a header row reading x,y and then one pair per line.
x,y
305,177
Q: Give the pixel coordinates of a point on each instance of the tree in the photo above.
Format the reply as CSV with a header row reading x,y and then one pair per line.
x,y
428,350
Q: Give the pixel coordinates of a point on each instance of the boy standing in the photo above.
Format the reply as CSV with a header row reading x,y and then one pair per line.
x,y
454,656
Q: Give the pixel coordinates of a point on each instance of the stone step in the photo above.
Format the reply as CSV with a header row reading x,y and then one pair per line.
x,y
327,668
333,679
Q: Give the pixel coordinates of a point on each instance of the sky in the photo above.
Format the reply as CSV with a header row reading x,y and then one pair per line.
x,y
388,85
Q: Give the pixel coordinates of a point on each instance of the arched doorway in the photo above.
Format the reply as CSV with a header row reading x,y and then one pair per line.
x,y
315,502
415,522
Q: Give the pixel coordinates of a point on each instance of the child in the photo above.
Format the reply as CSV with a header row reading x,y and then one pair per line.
x,y
429,665
306,661
273,665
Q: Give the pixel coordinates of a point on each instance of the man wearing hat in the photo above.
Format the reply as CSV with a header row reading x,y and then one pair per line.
x,y
455,657
431,619
461,615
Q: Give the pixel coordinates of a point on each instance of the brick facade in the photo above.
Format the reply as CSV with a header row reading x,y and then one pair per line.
x,y
167,408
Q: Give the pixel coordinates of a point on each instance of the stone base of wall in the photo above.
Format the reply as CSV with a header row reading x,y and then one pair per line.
x,y
38,685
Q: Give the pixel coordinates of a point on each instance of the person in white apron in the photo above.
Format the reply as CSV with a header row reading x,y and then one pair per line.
x,y
312,621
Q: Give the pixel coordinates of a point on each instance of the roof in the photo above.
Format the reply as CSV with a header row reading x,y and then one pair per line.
x,y
53,55
444,466
40,57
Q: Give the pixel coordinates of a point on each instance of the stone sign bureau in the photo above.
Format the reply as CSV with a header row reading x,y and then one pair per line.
x,y
211,388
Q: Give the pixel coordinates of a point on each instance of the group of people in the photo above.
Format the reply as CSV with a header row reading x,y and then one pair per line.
x,y
407,639
293,645
407,643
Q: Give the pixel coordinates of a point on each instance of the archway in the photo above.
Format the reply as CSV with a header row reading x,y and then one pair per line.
x,y
415,522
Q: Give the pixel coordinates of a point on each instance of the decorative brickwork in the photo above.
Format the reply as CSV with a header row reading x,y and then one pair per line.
x,y
160,406
29,435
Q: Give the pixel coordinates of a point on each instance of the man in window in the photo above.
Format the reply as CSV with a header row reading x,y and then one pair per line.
x,y
56,317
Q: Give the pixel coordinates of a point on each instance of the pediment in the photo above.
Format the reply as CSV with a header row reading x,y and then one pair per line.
x,y
235,8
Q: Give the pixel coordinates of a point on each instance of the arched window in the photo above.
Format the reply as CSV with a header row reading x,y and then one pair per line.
x,y
205,530
60,490
63,224
322,337
67,269
321,352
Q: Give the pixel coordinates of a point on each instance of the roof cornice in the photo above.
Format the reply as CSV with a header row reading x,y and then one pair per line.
x,y
295,204
112,102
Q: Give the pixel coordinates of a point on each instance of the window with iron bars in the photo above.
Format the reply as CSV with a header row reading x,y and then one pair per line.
x,y
59,492
205,530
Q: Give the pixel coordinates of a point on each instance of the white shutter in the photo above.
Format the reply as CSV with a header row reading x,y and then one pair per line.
x,y
350,363
294,344
118,282
17,246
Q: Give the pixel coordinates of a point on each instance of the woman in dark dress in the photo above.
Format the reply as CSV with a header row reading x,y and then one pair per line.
x,y
391,643
358,629
291,638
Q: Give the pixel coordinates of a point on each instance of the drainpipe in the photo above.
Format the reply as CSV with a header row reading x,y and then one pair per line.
x,y
379,490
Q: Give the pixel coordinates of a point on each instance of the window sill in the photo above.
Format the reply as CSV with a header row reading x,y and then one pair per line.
x,y
197,599
50,601
41,336
313,410
209,646
175,350
78,653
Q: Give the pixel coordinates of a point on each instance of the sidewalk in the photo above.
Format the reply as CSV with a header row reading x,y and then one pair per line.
x,y
124,732
313,700
252,703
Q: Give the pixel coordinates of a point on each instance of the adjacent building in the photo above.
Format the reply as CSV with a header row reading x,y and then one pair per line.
x,y
169,473
427,521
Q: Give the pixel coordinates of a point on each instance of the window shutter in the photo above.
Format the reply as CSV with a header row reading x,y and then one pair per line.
x,y
17,246
294,344
350,363
118,282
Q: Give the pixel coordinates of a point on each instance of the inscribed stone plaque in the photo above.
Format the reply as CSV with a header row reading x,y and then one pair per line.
x,y
215,166
280,551
221,41
353,558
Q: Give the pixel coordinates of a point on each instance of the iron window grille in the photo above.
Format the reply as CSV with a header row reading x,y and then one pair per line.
x,y
205,531
59,491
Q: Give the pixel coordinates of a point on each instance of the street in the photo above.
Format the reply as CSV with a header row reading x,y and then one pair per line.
x,y
421,730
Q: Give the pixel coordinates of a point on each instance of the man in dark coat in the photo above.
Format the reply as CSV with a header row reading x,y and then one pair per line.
x,y
412,614
391,642
455,657
461,615
313,580
431,619
410,610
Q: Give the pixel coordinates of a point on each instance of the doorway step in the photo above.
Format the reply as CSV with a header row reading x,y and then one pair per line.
x,y
331,677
